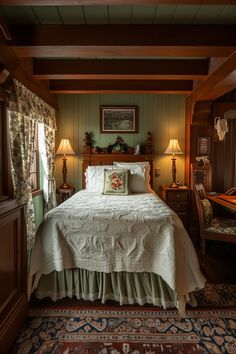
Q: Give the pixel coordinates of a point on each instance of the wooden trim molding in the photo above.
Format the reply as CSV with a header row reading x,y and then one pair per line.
x,y
188,115
115,2
222,80
37,192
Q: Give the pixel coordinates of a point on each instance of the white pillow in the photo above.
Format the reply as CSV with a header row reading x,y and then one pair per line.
x,y
94,177
139,179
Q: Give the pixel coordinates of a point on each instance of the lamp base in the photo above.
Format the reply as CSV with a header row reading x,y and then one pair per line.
x,y
173,185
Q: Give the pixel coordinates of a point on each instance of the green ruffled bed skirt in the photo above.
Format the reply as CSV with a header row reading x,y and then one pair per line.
x,y
126,288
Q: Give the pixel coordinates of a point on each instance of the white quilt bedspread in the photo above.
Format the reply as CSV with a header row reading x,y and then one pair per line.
x,y
105,233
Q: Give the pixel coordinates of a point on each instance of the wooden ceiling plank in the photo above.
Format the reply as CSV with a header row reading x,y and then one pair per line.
x,y
221,81
115,2
120,69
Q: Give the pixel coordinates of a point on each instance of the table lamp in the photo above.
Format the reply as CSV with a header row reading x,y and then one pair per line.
x,y
173,149
65,148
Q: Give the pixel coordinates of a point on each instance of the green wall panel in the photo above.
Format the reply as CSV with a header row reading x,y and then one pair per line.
x,y
38,209
162,115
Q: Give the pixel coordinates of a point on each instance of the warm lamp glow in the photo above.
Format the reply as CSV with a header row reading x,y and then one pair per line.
x,y
173,149
65,148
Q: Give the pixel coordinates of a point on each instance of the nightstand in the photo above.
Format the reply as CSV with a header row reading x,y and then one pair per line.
x,y
65,193
179,201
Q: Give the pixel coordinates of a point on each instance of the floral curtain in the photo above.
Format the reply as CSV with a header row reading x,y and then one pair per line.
x,y
25,111
47,153
22,130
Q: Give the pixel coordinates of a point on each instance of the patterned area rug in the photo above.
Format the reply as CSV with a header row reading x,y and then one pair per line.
x,y
216,295
127,330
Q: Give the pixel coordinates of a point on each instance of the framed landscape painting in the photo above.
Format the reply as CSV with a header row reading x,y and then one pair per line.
x,y
119,119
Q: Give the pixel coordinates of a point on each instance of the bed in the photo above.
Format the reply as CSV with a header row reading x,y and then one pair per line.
x,y
128,248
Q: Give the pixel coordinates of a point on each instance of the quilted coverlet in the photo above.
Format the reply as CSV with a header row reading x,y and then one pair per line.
x,y
106,233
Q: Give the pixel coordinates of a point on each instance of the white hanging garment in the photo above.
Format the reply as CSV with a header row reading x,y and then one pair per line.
x,y
221,126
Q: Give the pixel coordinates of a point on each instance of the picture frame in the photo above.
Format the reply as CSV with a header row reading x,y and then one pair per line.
x,y
203,146
118,119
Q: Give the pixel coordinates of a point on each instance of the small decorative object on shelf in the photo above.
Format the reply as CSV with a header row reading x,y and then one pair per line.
x,y
137,149
149,143
119,147
65,193
86,144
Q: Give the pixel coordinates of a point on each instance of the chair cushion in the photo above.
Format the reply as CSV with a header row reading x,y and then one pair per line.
x,y
201,190
207,211
227,226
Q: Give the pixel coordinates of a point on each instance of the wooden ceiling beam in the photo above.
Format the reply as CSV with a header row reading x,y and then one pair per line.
x,y
63,51
4,29
221,81
123,40
89,69
115,2
121,86
12,63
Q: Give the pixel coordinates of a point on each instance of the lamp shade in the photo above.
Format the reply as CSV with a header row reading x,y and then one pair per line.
x,y
65,148
173,148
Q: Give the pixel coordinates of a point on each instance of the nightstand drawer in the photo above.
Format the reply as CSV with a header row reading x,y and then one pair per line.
x,y
179,207
179,201
177,195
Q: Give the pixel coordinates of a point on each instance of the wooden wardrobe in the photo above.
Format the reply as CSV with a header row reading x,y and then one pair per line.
x,y
13,273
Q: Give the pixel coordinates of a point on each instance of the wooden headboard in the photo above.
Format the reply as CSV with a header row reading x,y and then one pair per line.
x,y
108,159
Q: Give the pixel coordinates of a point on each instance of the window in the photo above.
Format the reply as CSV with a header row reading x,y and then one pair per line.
x,y
37,169
35,166
6,189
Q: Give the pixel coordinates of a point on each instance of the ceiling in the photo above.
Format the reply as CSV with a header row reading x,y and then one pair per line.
x,y
105,14
176,47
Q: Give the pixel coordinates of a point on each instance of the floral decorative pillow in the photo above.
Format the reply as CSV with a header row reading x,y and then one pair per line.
x,y
208,212
116,182
139,179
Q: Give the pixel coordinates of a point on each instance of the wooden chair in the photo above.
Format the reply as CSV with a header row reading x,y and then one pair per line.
x,y
211,228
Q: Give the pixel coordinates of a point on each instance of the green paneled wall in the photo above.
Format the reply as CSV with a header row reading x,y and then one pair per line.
x,y
38,208
162,115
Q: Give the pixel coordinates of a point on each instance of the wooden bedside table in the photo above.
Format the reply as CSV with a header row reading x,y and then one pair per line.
x,y
179,201
65,193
